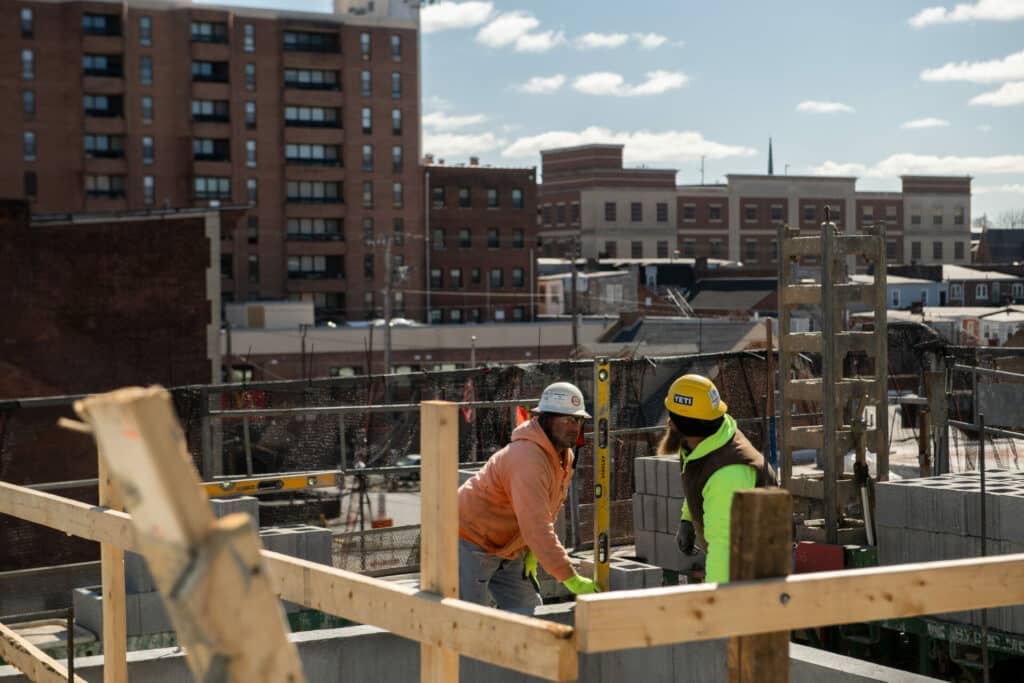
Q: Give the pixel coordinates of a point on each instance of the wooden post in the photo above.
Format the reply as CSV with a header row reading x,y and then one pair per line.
x,y
439,524
761,547
115,631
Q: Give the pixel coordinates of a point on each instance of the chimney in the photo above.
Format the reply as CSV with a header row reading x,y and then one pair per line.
x,y
428,159
474,161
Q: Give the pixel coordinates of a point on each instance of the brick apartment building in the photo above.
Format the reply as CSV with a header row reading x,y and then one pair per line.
x,y
310,119
483,234
641,213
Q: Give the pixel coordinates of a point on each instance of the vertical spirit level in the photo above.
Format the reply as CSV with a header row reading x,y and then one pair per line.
x,y
602,477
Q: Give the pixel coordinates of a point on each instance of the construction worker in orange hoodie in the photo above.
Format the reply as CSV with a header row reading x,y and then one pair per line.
x,y
507,510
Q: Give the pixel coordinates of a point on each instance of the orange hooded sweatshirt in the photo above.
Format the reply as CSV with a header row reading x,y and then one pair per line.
x,y
512,502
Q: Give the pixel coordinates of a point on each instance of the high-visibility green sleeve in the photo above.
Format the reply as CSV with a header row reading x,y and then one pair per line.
x,y
717,516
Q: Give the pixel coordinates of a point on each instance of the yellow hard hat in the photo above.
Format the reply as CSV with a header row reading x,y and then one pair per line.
x,y
696,397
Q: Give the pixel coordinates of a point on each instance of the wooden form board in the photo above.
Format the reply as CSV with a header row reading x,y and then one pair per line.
x,y
209,571
439,525
761,543
37,666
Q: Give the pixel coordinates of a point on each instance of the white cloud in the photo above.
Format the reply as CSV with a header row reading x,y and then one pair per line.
x,y
650,41
1009,68
672,145
817,107
440,121
836,169
518,29
590,41
985,128
437,103
443,145
542,85
930,122
444,16
1016,188
896,165
608,83
985,10
1007,95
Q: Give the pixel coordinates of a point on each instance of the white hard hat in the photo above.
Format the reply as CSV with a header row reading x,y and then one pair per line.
x,y
562,398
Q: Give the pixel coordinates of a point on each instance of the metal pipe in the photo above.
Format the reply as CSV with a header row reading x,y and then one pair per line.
x,y
990,373
988,430
984,542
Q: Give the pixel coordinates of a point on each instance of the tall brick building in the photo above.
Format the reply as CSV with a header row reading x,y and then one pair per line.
x,y
309,119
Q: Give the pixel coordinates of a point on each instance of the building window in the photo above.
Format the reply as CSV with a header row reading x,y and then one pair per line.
x,y
396,85
609,211
28,65
661,212
611,249
104,146
368,231
369,266
560,214
28,102
750,213
252,230
210,72
250,76
101,24
689,248
455,278
956,292
211,149
574,213
915,215
493,238
365,83
396,121
27,27
145,31
497,278
437,197
147,150
937,215
366,119
810,213
545,213
314,229
367,164
254,268
981,291
317,267
104,186
867,214
103,105
251,190
775,250
636,212
517,198
890,212
396,48
937,251
31,186
775,213
209,32
310,41
689,213
750,251
226,267
28,140
715,248
715,213
367,194
109,66
211,187
915,252
895,298
314,191
311,117
396,159
147,109
365,45
492,197
518,277
636,249
311,79
958,251
250,114
518,239
1017,290
397,195
958,215
436,278
398,232
250,38
890,250
146,70
662,248
465,238
250,153
474,276
464,197
148,189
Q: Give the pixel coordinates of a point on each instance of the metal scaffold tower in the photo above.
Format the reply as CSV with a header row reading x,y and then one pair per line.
x,y
847,386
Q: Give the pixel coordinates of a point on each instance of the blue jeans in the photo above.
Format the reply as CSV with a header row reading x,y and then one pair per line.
x,y
487,579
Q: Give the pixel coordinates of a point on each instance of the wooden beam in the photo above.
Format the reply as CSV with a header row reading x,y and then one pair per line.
x,y
540,648
209,571
660,616
37,666
761,544
115,630
439,524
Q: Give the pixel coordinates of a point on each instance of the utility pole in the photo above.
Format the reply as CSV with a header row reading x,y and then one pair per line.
x,y
575,316
387,310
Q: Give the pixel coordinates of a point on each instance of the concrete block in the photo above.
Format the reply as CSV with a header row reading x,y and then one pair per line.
x,y
153,616
137,578
88,604
891,503
319,543
661,510
1011,516
891,545
651,504
667,552
651,475
639,475
645,545
675,480
675,512
250,505
664,465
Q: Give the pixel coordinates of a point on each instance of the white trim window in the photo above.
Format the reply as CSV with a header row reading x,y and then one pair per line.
x,y
981,291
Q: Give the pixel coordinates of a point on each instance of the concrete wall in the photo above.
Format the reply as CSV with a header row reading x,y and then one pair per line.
x,y
370,655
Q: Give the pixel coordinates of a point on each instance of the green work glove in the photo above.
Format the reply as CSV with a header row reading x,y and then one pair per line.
x,y
530,569
580,585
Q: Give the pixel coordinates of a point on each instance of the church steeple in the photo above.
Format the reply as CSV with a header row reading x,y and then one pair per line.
x,y
771,166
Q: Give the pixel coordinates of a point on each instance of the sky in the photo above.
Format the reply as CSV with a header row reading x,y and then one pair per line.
x,y
868,88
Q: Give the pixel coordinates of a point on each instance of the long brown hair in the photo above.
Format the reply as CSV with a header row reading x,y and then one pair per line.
x,y
670,441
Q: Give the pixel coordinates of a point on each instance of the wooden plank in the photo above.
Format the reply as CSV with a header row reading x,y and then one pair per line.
x,y
534,646
37,666
209,571
801,295
800,246
660,616
802,342
804,437
761,542
115,630
439,524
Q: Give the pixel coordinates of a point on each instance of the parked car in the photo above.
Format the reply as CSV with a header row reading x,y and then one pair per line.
x,y
410,477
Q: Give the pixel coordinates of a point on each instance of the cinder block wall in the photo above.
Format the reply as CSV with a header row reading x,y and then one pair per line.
x,y
657,505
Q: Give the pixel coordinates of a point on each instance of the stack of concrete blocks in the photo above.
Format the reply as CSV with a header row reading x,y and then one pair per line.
x,y
144,608
303,541
657,505
625,574
939,518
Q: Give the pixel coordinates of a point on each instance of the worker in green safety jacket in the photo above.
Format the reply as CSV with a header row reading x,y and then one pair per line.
x,y
716,460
